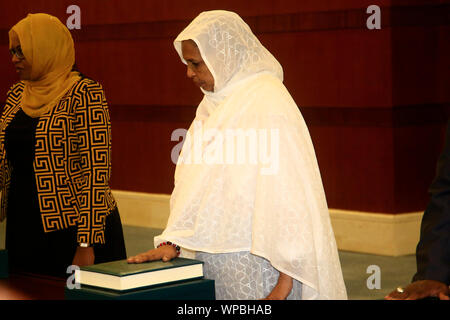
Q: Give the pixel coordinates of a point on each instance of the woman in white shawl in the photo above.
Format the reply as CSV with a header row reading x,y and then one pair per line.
x,y
254,211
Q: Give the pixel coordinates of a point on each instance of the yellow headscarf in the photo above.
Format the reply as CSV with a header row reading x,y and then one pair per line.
x,y
48,46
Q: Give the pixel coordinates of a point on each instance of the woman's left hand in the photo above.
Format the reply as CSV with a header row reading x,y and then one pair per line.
x,y
281,289
84,256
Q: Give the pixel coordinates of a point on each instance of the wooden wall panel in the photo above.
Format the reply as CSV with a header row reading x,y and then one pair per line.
x,y
142,146
368,177
119,11
335,68
416,150
375,100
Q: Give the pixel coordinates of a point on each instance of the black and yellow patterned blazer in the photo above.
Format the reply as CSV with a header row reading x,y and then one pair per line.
x,y
72,162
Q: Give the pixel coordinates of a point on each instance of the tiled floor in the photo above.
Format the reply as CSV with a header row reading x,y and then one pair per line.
x,y
359,270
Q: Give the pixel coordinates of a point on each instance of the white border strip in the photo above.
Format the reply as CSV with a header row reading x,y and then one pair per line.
x,y
364,232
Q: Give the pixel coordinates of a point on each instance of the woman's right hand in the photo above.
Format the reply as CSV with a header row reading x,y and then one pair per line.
x,y
164,253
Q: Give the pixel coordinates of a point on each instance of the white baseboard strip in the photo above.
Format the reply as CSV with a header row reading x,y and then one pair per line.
x,y
364,232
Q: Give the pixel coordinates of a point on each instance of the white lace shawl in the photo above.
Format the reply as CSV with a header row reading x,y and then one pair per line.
x,y
274,207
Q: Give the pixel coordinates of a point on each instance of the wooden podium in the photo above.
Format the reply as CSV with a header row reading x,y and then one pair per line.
x,y
25,286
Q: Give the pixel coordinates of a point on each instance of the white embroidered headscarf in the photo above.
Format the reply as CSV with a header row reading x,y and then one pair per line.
x,y
229,48
275,209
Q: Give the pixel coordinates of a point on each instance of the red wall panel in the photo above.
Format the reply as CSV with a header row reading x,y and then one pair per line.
x,y
374,100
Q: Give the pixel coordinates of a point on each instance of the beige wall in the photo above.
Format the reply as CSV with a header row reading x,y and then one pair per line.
x,y
375,233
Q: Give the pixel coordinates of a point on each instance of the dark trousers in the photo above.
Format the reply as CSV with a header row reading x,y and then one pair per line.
x,y
31,250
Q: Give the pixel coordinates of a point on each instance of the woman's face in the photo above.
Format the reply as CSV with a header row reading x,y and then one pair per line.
x,y
23,67
196,67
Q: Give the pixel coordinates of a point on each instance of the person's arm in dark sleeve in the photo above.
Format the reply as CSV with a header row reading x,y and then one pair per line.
x,y
433,249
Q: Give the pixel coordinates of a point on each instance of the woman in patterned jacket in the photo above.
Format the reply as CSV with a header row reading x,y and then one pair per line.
x,y
253,210
55,160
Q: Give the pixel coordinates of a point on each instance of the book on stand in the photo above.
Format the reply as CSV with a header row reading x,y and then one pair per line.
x,y
122,276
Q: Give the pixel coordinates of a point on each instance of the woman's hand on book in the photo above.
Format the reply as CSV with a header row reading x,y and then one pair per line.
x,y
164,253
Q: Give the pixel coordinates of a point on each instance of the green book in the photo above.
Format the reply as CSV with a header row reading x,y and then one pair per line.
x,y
121,275
4,264
200,289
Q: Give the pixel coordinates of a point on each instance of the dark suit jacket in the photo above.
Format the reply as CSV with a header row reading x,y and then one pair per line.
x,y
433,250
72,161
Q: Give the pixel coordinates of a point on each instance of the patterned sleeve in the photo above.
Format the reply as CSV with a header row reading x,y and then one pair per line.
x,y
2,136
93,128
13,97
